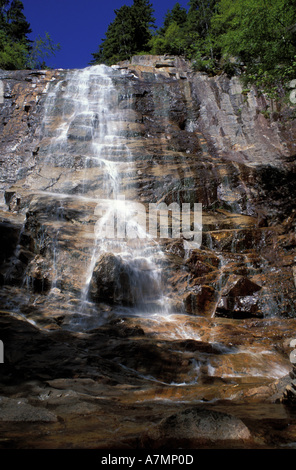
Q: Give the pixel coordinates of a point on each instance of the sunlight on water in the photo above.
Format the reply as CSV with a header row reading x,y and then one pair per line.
x,y
91,115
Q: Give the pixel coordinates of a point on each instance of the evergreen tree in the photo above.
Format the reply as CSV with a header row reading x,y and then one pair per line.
x,y
253,38
199,16
171,38
17,51
128,34
17,26
3,13
188,34
118,42
177,15
202,49
14,28
143,21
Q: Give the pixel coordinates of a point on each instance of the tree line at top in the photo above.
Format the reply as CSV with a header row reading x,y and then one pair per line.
x,y
253,38
17,51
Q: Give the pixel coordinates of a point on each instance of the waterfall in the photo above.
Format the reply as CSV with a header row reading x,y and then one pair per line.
x,y
86,160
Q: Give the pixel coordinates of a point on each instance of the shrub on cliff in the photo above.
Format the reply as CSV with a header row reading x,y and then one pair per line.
x,y
259,37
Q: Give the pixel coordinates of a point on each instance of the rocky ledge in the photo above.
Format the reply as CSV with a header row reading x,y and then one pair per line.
x,y
127,385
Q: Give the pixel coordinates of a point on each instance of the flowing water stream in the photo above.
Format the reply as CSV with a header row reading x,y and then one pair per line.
x,y
85,131
93,276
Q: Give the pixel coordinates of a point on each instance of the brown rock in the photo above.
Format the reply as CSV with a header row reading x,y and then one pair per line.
x,y
202,301
239,299
197,425
239,286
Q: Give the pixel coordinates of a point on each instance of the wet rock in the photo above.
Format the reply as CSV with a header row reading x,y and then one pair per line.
x,y
239,299
21,113
183,137
106,276
202,301
9,236
289,394
19,410
238,286
239,307
188,143
39,274
194,426
119,281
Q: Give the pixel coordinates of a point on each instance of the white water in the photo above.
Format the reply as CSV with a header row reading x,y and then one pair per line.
x,y
92,125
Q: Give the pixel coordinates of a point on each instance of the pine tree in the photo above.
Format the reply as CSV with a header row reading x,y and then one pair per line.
x,y
17,25
143,21
17,51
177,15
171,37
14,30
199,16
202,50
127,35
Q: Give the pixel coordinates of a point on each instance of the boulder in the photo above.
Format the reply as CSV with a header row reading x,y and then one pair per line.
x,y
202,301
195,426
19,410
119,281
39,274
239,286
239,298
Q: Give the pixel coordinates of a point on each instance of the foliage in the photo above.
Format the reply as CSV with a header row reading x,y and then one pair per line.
x,y
14,43
173,41
171,38
254,39
259,37
17,51
12,55
41,49
128,34
13,21
203,51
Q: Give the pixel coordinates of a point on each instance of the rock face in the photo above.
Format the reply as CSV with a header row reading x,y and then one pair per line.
x,y
86,156
180,137
21,116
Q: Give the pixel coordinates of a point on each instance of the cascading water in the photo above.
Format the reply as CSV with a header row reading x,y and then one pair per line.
x,y
109,140
91,137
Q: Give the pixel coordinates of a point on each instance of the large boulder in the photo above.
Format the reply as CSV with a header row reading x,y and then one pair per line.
x,y
195,426
239,298
121,281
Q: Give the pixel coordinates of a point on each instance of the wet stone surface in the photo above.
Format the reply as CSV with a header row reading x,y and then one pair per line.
x,y
106,340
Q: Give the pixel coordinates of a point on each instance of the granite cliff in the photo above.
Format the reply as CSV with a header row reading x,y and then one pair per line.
x,y
143,326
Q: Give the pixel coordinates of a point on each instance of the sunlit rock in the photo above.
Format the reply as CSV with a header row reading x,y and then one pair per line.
x,y
117,323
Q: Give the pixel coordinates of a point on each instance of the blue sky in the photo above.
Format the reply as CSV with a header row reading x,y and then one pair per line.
x,y
80,25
